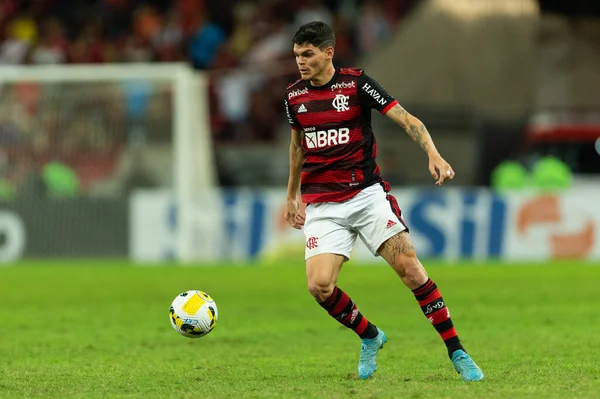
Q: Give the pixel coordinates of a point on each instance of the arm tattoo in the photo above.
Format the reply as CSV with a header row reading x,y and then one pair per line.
x,y
419,134
398,110
400,244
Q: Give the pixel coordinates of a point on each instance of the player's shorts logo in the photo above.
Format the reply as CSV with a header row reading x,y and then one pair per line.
x,y
331,137
312,242
340,103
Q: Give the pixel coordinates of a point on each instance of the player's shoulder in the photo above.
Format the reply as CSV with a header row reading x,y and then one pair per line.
x,y
296,89
297,84
352,71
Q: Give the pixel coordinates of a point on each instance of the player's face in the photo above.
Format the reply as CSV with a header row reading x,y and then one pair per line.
x,y
311,60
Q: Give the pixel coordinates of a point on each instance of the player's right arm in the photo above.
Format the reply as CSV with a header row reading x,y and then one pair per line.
x,y
292,209
292,212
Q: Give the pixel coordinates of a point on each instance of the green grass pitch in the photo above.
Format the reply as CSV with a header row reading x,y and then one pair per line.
x,y
101,330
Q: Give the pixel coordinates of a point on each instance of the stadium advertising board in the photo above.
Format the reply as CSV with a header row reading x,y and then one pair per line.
x,y
12,236
450,224
38,228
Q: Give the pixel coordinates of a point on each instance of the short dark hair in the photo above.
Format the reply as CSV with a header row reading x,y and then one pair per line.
x,y
317,33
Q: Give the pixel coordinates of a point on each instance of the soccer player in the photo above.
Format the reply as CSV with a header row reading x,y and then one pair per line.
x,y
332,165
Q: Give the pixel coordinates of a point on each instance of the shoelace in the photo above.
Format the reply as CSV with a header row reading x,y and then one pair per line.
x,y
463,363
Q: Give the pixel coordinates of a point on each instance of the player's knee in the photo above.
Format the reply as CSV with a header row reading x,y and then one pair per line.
x,y
320,289
407,264
410,270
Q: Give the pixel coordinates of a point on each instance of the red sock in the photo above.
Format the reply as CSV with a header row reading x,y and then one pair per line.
x,y
433,306
342,308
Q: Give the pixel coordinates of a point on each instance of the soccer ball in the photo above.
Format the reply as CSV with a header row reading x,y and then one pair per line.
x,y
193,314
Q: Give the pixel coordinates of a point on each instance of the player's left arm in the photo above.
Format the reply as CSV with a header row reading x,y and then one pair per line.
x,y
438,167
374,96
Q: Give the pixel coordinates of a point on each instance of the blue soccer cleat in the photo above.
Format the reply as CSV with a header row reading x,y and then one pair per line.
x,y
466,367
368,355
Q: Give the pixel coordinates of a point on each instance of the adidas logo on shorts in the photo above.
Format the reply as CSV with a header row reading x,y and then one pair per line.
x,y
390,223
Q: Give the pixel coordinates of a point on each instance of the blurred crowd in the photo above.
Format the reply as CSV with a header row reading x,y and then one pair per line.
x,y
245,43
208,34
244,46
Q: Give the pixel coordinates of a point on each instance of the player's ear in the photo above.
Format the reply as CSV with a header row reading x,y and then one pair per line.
x,y
329,51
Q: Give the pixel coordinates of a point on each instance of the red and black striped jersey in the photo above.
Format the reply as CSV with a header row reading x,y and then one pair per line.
x,y
339,145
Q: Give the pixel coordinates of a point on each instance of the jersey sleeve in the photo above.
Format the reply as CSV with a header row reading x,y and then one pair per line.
x,y
371,94
291,117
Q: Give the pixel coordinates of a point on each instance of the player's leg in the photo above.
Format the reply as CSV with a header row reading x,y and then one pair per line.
x,y
322,272
328,245
399,252
384,232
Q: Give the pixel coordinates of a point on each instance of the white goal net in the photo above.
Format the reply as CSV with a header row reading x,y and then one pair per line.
x,y
109,123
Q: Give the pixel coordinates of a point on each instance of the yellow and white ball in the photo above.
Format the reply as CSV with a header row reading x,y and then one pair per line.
x,y
193,314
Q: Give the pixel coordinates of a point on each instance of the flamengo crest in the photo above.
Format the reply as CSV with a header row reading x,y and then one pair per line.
x,y
340,103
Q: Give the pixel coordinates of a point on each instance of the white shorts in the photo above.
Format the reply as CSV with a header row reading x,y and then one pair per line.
x,y
332,227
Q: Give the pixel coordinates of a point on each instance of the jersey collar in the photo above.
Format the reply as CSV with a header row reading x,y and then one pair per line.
x,y
326,85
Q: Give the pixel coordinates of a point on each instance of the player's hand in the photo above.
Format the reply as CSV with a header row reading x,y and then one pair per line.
x,y
293,215
440,170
